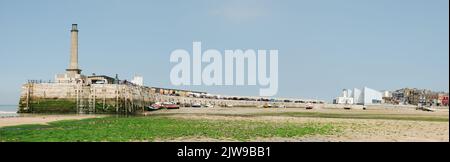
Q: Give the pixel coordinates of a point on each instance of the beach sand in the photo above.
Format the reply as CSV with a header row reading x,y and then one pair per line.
x,y
352,130
41,119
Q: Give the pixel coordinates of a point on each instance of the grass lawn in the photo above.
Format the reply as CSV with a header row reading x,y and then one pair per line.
x,y
158,127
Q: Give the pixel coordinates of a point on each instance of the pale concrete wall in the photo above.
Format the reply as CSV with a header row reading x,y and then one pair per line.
x,y
236,103
357,98
69,90
371,94
50,90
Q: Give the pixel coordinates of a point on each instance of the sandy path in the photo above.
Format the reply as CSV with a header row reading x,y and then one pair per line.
x,y
41,119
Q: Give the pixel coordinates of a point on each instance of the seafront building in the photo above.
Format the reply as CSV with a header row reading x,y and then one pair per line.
x,y
367,96
404,96
414,96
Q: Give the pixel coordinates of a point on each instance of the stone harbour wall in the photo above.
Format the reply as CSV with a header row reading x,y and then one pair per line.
x,y
78,98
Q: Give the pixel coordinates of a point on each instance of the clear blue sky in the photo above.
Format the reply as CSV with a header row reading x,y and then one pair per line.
x,y
324,45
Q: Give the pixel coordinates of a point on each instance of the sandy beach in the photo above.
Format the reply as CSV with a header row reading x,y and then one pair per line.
x,y
353,130
41,119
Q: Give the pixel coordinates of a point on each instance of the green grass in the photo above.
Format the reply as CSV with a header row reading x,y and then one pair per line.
x,y
158,128
359,116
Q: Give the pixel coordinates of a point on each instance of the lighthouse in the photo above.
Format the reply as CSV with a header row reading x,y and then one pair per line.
x,y
73,65
73,73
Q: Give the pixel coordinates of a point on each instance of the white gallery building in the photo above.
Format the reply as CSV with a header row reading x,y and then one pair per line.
x,y
366,96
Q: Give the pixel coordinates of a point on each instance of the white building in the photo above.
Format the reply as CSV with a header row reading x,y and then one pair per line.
x,y
367,96
371,96
387,94
357,96
345,97
344,100
138,80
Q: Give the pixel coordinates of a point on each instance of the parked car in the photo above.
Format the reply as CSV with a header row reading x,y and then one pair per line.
x,y
209,105
267,105
347,107
196,105
309,106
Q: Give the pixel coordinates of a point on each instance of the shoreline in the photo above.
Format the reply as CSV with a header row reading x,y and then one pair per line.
x,y
24,119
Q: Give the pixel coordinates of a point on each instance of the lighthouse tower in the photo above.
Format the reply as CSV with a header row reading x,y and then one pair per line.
x,y
73,73
73,66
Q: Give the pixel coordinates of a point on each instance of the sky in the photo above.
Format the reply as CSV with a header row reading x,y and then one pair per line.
x,y
324,45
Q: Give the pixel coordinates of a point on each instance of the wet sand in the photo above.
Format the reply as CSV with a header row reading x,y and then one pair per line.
x,y
41,119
